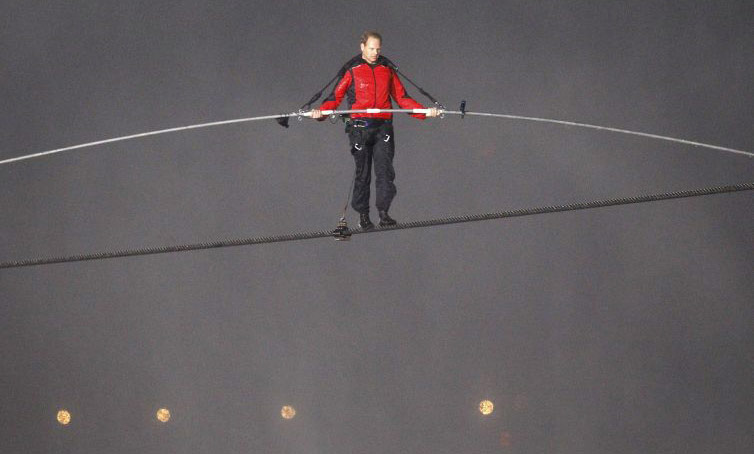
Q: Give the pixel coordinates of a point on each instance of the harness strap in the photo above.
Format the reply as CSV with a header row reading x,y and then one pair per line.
x,y
421,90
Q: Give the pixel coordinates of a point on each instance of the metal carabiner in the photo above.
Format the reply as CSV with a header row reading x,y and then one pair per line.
x,y
387,138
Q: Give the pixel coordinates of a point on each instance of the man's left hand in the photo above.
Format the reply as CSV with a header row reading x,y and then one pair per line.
x,y
433,112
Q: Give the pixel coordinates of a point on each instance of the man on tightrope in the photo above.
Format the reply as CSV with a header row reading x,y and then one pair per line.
x,y
369,82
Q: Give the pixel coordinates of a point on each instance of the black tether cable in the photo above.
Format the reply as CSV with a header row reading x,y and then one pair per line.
x,y
317,95
421,90
283,121
400,226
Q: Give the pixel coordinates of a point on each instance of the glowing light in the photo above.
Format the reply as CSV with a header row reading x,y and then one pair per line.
x,y
163,415
287,412
64,417
486,407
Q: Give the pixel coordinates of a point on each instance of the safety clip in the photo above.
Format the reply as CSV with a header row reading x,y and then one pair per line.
x,y
341,232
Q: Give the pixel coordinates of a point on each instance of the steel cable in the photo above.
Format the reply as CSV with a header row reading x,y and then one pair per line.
x,y
401,226
300,115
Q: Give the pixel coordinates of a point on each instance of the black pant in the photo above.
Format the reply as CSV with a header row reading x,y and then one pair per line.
x,y
369,144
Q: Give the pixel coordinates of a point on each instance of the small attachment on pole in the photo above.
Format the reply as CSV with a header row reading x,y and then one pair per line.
x,y
440,109
282,121
341,232
463,108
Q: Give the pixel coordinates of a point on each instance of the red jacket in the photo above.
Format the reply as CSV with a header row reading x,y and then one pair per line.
x,y
370,87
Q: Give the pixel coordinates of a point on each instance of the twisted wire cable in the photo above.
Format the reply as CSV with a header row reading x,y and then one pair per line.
x,y
401,226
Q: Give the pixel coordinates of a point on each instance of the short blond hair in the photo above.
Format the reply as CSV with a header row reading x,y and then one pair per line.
x,y
370,34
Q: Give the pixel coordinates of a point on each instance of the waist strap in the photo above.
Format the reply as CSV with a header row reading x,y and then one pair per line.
x,y
368,122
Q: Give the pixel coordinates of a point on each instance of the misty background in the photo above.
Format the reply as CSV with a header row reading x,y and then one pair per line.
x,y
622,330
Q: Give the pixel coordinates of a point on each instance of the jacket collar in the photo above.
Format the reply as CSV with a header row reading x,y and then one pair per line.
x,y
357,60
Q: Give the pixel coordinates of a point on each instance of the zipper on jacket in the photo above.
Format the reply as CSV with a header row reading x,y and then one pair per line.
x,y
375,87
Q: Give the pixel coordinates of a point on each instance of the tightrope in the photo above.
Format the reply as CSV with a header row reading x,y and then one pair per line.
x,y
401,226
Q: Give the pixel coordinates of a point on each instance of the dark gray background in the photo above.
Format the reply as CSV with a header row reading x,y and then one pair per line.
x,y
620,330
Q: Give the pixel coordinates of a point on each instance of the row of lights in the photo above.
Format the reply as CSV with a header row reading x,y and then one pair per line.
x,y
64,416
163,414
486,407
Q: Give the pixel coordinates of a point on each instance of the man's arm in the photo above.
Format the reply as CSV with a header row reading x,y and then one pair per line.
x,y
398,92
334,99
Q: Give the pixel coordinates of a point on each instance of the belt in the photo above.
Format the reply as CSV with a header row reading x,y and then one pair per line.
x,y
369,122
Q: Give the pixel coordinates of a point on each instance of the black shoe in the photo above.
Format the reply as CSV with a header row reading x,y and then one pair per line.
x,y
386,220
364,222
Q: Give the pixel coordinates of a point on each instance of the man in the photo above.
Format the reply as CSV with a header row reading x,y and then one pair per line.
x,y
369,82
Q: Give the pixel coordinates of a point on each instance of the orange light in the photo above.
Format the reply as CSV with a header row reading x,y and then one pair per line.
x,y
163,415
64,417
287,412
486,407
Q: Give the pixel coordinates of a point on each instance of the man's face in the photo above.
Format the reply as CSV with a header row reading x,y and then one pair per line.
x,y
371,50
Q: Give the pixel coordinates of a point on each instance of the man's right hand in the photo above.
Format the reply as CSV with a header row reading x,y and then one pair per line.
x,y
316,114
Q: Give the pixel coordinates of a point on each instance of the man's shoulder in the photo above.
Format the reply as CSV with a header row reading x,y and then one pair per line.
x,y
384,61
352,63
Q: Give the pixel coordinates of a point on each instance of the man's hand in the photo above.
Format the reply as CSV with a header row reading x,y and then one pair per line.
x,y
432,112
316,114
